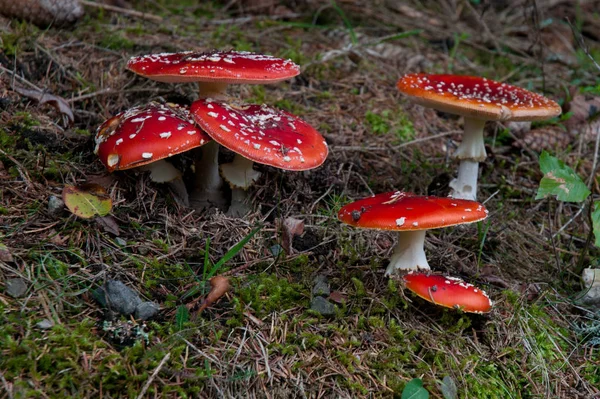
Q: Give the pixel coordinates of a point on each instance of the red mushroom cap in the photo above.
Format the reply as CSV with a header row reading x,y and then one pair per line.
x,y
450,292
262,134
477,97
220,66
402,211
145,134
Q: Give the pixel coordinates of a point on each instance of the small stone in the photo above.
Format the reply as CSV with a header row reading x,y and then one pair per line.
x,y
44,324
55,205
121,241
591,277
323,306
119,297
146,310
16,287
591,298
320,286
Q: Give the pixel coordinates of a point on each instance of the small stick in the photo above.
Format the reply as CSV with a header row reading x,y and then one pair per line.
x,y
121,10
154,373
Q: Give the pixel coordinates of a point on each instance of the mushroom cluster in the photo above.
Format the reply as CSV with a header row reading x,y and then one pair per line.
x,y
258,133
144,135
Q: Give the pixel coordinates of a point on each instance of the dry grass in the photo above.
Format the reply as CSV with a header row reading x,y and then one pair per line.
x,y
263,340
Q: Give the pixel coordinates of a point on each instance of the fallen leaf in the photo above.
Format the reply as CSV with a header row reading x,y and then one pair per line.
x,y
338,297
109,224
57,102
219,285
87,200
291,227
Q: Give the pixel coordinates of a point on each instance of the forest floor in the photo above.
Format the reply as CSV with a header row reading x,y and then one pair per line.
x,y
263,338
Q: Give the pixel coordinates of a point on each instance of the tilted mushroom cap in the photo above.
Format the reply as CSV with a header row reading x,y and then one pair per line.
x,y
220,66
402,211
477,97
262,134
449,292
145,134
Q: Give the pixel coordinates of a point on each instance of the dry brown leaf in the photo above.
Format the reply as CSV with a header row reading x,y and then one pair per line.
x,y
219,285
291,227
109,224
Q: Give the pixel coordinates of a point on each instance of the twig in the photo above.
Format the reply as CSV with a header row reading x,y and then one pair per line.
x,y
154,373
395,147
124,11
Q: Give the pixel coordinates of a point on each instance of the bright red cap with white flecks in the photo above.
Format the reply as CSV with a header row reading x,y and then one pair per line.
x,y
450,292
213,66
262,134
144,134
402,211
477,97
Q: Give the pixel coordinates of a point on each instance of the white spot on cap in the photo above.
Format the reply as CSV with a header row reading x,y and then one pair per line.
x,y
165,135
112,160
400,222
147,155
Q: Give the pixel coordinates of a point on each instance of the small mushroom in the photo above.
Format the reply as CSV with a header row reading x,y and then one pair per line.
x,y
450,292
478,100
144,136
258,133
411,216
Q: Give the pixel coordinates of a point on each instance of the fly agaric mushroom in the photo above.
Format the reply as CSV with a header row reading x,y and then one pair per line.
x,y
478,100
411,216
258,133
143,136
450,292
213,71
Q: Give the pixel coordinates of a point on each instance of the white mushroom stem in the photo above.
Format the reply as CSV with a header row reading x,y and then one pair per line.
x,y
409,253
214,90
207,187
470,152
464,186
208,184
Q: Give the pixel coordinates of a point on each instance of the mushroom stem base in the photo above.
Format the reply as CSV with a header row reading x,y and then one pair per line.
x,y
465,184
239,205
207,188
409,253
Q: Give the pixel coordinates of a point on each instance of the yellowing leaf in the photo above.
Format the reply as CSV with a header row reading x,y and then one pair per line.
x,y
87,200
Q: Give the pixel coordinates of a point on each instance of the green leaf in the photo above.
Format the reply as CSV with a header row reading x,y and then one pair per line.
x,y
414,390
232,252
596,222
448,388
87,200
181,317
560,180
